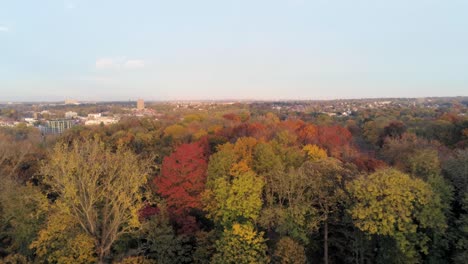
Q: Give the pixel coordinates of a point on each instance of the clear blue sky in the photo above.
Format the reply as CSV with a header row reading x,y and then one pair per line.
x,y
197,49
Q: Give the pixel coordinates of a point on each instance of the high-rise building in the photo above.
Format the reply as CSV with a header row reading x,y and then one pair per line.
x,y
140,104
58,126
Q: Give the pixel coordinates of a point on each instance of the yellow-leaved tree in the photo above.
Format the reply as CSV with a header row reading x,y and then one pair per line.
x,y
99,189
315,152
391,203
241,244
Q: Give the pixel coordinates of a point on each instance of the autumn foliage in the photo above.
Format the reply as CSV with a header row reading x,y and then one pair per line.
x,y
182,181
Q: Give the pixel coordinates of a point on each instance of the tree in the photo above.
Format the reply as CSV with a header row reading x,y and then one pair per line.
x,y
288,203
135,260
456,170
424,163
265,160
161,242
307,134
461,245
314,152
326,178
235,200
232,117
14,259
391,203
23,210
393,130
240,244
182,181
398,151
289,251
176,131
99,188
13,154
63,241
336,139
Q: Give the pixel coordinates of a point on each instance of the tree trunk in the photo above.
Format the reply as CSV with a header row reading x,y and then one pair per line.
x,y
103,253
101,257
325,242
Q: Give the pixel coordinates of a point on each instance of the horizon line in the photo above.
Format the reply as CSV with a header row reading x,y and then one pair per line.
x,y
227,99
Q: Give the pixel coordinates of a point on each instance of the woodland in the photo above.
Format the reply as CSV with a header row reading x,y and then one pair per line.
x,y
240,185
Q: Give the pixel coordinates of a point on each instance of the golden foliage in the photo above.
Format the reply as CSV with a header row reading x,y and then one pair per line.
x,y
241,244
62,241
314,152
100,189
289,251
391,203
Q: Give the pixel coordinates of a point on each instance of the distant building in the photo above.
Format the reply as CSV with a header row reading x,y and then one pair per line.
x,y
140,104
30,121
8,123
71,102
101,120
94,116
70,115
57,126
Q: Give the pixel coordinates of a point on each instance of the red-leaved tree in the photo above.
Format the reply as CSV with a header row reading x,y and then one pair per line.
x,y
336,139
182,180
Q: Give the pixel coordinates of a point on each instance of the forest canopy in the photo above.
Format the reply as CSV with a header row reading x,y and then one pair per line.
x,y
241,185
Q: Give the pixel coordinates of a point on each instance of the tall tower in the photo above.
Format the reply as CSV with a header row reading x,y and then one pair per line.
x,y
140,104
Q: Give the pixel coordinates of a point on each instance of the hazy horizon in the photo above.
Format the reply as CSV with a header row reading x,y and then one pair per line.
x,y
245,50
134,100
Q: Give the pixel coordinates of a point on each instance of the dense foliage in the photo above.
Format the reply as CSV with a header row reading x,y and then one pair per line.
x,y
240,186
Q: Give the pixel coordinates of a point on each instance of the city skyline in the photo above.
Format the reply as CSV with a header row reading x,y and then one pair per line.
x,y
248,50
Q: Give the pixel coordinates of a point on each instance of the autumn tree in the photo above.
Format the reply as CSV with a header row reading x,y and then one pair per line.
x,y
13,155
398,151
314,152
456,171
236,200
63,240
288,251
240,244
326,178
176,132
393,130
307,134
233,200
182,181
162,244
336,139
287,206
461,246
98,188
232,117
391,203
23,210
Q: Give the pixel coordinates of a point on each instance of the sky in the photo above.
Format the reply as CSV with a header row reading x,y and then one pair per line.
x,y
225,49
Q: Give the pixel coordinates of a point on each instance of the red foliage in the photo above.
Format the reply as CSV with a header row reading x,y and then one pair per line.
x,y
336,139
258,131
148,211
292,124
182,180
232,117
255,130
368,164
308,134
